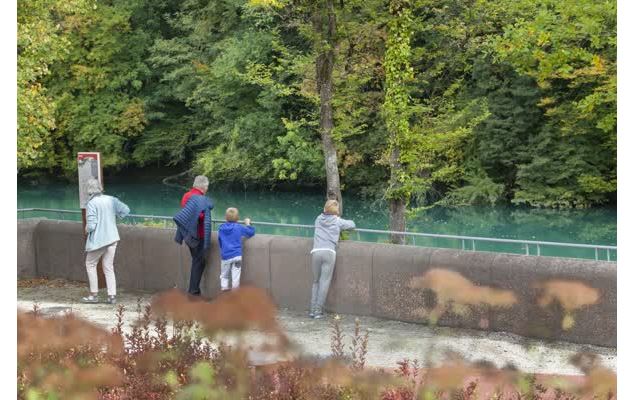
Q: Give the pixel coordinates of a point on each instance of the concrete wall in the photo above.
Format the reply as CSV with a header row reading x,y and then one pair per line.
x,y
370,279
27,263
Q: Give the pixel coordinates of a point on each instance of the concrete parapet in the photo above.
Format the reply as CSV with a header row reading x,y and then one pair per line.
x,y
393,268
59,248
593,324
290,269
352,284
369,279
27,260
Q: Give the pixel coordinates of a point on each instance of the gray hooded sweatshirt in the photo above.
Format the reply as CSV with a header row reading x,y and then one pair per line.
x,y
327,231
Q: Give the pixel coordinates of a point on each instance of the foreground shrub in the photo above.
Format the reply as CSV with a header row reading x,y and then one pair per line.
x,y
175,351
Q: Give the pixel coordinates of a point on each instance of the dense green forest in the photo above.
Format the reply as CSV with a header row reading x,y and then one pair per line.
x,y
419,102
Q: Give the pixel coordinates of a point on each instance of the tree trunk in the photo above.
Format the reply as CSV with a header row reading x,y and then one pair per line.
x,y
398,204
398,73
324,80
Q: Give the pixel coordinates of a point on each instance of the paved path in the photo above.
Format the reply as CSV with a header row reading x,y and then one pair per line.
x,y
390,341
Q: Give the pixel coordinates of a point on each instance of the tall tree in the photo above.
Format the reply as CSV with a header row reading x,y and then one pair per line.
x,y
399,74
324,23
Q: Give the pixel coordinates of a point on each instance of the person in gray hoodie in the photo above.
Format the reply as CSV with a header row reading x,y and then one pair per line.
x,y
327,233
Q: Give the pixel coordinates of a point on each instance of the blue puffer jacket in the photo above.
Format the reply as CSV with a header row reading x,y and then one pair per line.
x,y
187,221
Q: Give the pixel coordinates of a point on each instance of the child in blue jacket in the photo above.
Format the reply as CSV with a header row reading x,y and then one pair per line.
x,y
230,236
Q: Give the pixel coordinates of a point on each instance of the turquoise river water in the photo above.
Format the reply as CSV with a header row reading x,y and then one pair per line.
x,y
593,226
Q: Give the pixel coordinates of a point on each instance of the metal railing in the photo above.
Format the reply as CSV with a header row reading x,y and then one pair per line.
x,y
526,245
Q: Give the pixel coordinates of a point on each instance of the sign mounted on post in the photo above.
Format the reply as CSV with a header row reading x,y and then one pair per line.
x,y
88,166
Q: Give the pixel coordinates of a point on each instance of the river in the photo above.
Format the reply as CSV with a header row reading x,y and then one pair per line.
x,y
593,226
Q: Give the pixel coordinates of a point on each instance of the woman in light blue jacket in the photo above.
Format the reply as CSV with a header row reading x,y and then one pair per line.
x,y
102,238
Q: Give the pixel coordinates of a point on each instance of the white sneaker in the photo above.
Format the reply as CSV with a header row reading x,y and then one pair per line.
x,y
90,299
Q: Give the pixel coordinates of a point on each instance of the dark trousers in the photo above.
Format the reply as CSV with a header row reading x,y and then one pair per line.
x,y
198,266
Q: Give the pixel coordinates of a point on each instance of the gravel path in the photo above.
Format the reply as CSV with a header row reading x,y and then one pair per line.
x,y
390,341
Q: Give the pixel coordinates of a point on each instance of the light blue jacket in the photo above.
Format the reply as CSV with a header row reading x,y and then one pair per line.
x,y
101,221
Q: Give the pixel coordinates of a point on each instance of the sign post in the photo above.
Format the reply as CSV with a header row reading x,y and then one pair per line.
x,y
89,167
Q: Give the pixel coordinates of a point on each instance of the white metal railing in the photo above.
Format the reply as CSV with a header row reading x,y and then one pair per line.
x,y
525,244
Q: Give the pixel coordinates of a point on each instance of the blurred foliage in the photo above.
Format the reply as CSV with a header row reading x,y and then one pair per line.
x,y
176,350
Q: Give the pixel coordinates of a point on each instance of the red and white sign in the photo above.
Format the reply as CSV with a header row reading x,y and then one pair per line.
x,y
88,166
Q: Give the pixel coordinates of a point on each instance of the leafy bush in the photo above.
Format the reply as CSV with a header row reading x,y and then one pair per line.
x,y
67,358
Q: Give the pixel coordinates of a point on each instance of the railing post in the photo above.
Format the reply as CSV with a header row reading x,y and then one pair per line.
x,y
538,248
462,244
473,245
608,254
596,254
526,249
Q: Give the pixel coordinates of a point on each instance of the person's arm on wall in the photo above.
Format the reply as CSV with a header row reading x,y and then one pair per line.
x,y
121,209
248,230
91,217
345,224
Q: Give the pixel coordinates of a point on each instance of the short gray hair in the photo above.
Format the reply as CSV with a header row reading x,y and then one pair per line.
x,y
93,187
201,182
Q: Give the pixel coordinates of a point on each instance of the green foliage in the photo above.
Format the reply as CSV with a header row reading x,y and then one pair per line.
x,y
203,386
98,85
234,81
303,158
396,107
478,190
501,141
486,101
43,27
569,48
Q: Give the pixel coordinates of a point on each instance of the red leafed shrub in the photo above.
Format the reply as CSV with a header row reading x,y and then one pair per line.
x,y
171,353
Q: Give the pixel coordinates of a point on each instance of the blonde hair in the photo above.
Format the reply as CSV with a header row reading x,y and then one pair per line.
x,y
332,207
231,214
